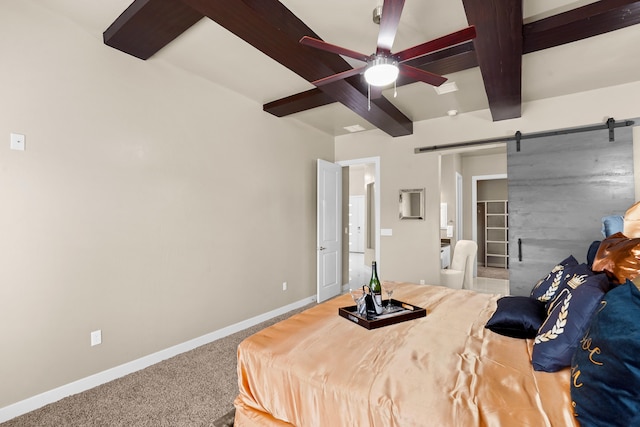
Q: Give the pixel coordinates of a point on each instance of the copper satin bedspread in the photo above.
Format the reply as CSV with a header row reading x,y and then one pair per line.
x,y
319,369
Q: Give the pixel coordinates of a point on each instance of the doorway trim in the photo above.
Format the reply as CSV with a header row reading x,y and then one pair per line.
x,y
376,162
459,207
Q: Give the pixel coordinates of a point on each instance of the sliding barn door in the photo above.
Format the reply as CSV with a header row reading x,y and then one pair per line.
x,y
560,187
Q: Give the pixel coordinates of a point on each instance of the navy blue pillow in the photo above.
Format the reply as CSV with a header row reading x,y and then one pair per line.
x,y
559,335
517,317
605,370
592,251
548,286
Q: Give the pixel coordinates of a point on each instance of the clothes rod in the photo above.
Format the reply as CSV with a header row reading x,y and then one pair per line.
x,y
610,124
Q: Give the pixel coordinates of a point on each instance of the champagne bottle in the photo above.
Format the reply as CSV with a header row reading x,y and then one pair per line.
x,y
375,288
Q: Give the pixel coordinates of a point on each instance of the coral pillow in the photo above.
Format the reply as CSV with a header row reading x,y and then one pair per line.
x,y
619,257
631,221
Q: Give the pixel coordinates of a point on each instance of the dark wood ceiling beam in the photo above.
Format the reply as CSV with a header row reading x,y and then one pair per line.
x,y
580,23
271,28
383,114
147,26
447,61
499,51
302,101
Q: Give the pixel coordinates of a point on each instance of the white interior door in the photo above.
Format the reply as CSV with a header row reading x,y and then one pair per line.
x,y
329,235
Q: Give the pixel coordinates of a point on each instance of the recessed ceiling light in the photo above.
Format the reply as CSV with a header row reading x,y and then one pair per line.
x,y
452,113
354,128
446,88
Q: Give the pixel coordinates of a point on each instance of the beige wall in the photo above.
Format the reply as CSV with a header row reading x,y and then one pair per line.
x,y
149,204
402,255
493,189
412,252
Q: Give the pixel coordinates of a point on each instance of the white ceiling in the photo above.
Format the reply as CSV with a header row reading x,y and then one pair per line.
x,y
213,53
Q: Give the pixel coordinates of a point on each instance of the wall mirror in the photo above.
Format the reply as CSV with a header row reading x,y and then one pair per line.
x,y
412,203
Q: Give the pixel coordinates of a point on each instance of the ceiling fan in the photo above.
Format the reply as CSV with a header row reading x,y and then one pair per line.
x,y
383,67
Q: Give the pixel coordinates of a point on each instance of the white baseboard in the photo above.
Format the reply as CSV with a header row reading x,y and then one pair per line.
x,y
40,400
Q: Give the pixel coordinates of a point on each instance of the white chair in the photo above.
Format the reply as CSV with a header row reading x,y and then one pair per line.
x,y
460,274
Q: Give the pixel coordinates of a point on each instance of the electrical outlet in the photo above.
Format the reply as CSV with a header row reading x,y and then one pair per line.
x,y
422,281
96,337
284,286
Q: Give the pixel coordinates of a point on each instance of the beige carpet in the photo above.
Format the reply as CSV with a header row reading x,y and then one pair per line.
x,y
192,389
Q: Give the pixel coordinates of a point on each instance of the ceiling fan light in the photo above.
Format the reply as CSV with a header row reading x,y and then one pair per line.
x,y
381,72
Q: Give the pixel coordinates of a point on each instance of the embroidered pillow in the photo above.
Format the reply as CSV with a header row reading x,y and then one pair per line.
x,y
548,286
517,317
567,322
573,276
605,371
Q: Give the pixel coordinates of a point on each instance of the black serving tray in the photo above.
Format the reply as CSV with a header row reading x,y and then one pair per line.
x,y
405,312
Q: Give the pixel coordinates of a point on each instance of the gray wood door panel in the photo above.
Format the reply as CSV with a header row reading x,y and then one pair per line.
x,y
560,187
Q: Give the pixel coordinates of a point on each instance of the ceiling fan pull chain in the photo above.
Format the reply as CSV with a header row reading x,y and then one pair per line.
x,y
369,96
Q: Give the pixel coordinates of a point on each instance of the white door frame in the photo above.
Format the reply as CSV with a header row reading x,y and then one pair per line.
x,y
356,221
459,207
376,162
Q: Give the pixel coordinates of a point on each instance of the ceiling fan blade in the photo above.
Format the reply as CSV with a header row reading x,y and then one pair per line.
x,y
322,45
449,40
389,20
339,76
421,75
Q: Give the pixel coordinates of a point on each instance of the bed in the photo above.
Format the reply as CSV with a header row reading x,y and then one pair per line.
x,y
446,369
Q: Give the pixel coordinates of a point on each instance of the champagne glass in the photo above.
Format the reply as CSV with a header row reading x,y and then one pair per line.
x,y
388,288
358,295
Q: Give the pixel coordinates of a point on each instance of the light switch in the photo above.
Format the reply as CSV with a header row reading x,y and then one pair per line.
x,y
17,141
96,337
449,230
